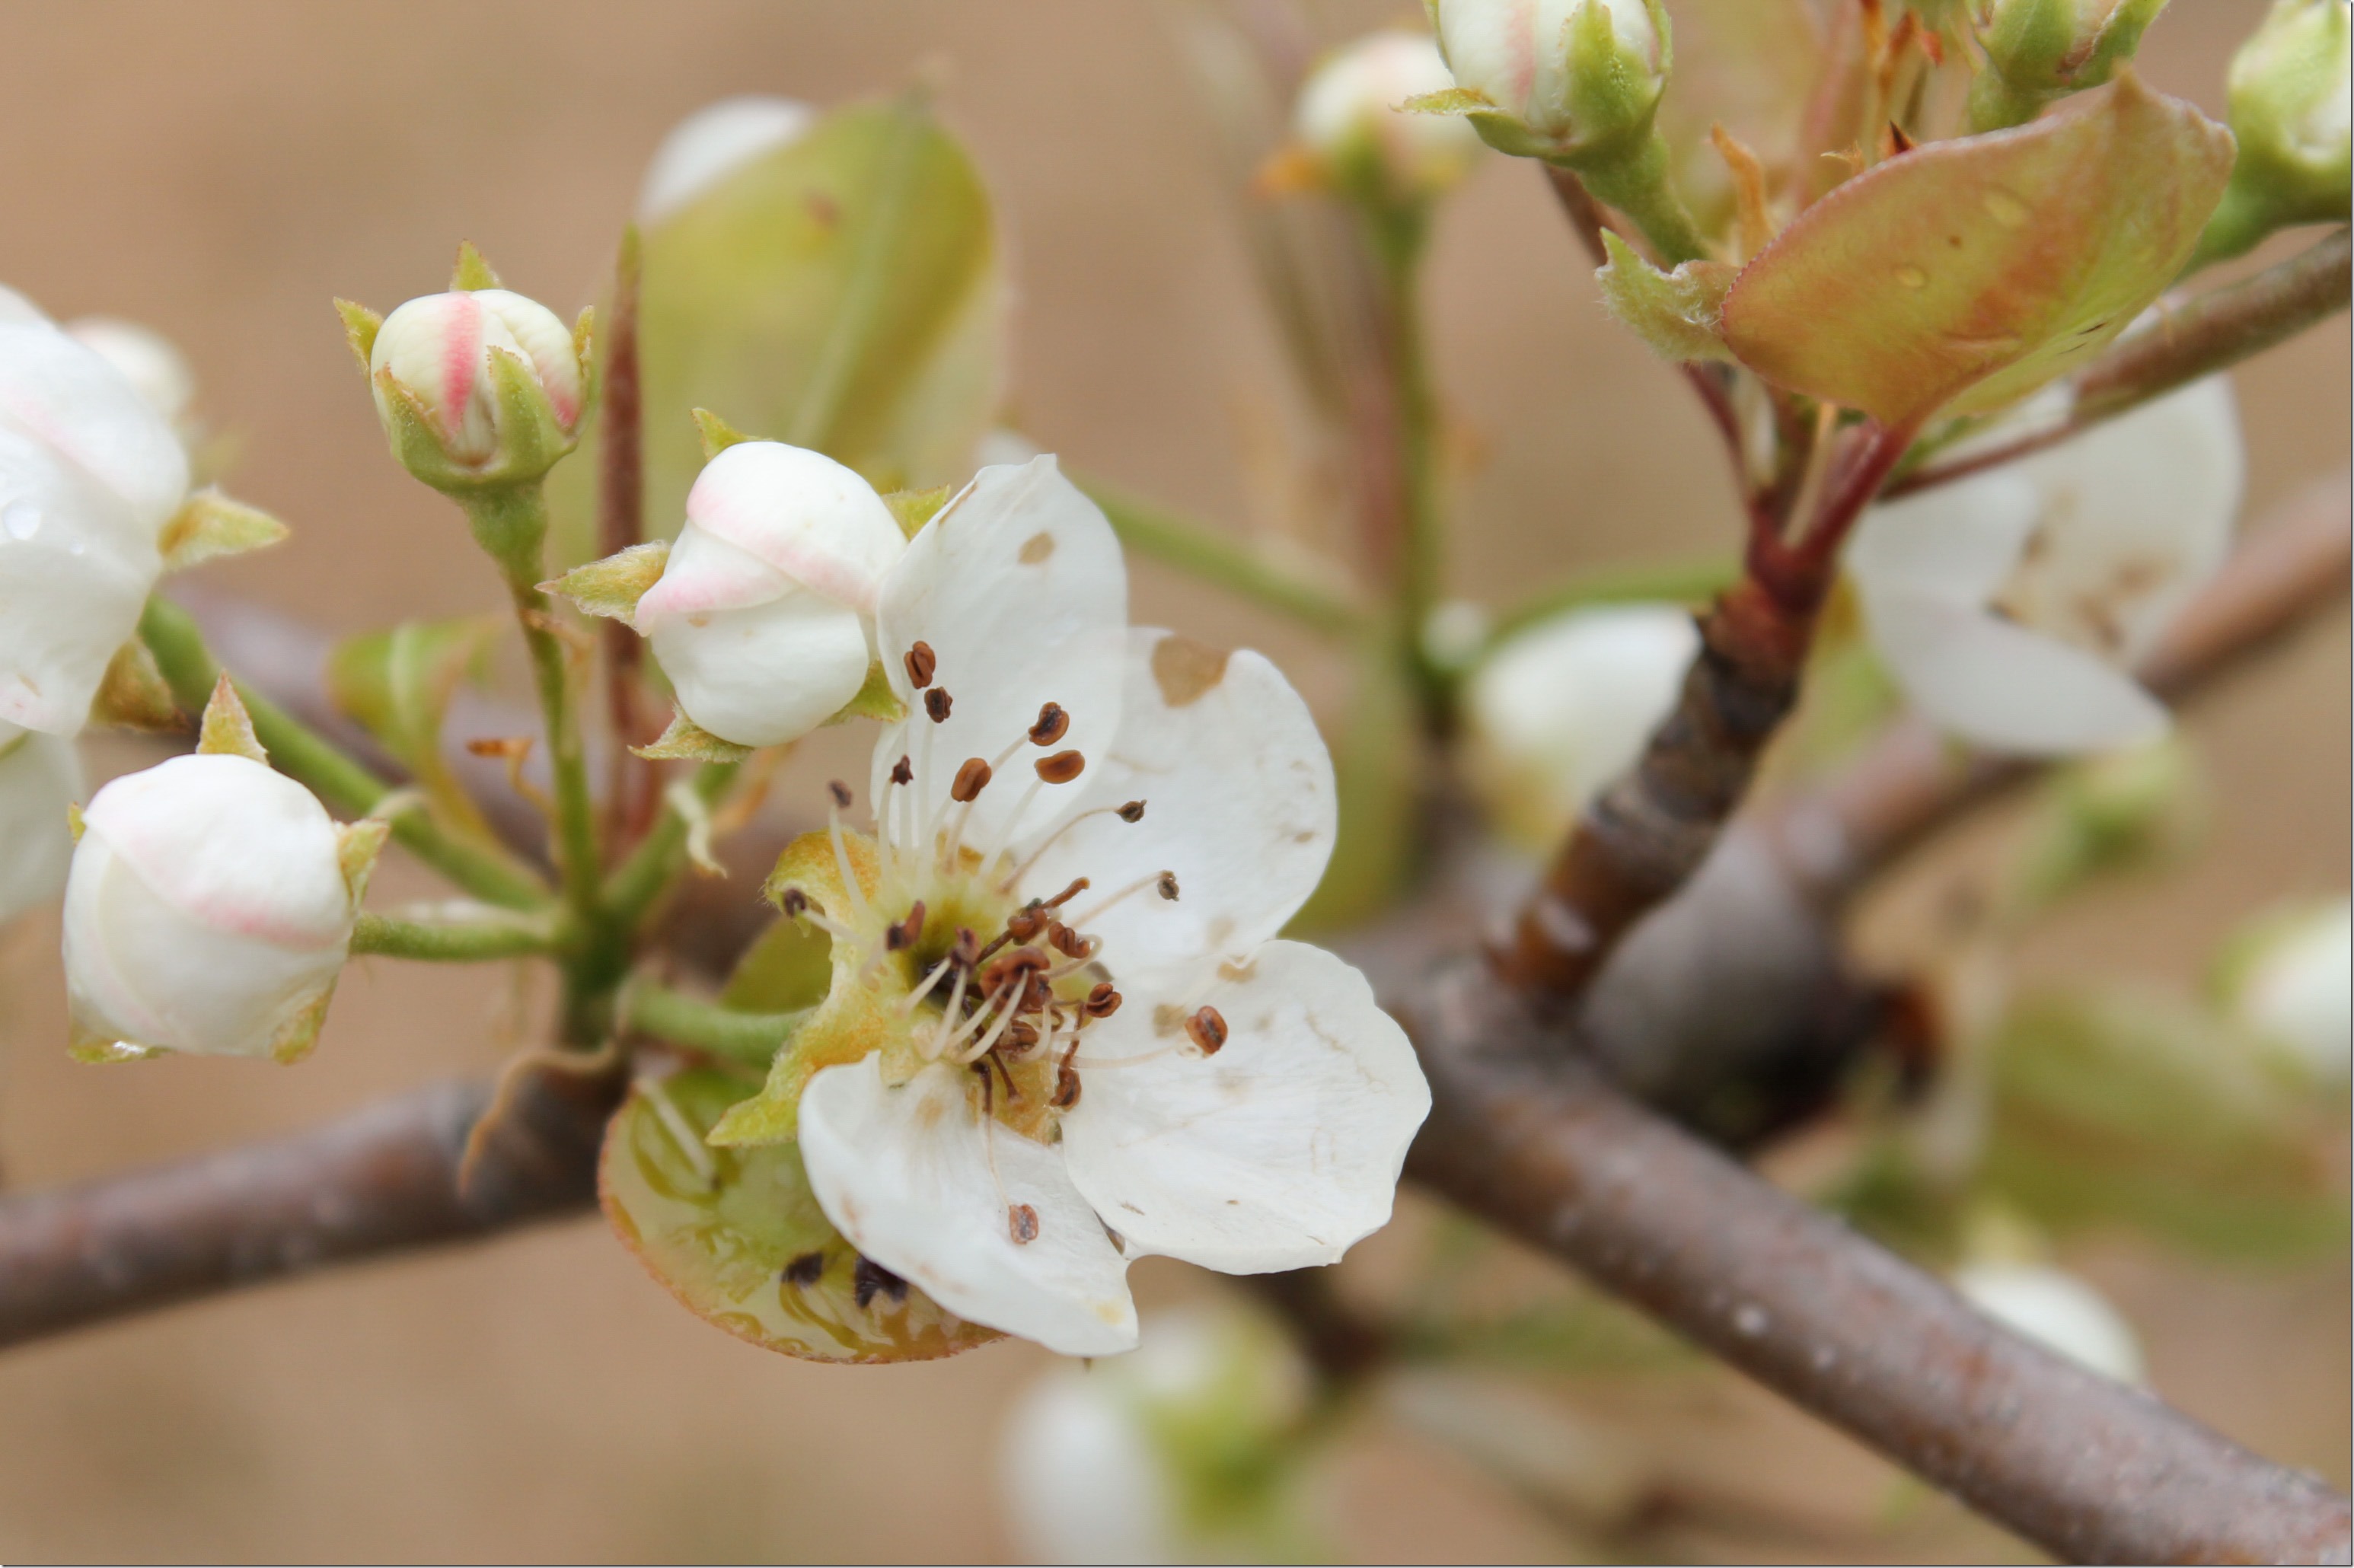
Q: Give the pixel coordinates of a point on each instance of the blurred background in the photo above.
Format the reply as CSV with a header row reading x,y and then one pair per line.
x,y
221,172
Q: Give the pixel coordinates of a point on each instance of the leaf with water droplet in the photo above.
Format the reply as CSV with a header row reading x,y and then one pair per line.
x,y
737,1237
1967,273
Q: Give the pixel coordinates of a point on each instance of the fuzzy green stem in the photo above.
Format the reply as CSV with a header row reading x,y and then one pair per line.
x,y
1639,185
699,1025
332,774
1420,563
651,867
453,942
1203,552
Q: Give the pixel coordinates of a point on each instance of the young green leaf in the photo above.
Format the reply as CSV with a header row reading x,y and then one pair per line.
x,y
398,684
1965,274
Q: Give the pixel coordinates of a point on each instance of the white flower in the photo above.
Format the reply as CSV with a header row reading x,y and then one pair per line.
x,y
1348,115
1565,707
2290,984
1121,1060
2009,605
2058,1312
763,616
1567,89
153,365
206,911
713,143
88,476
39,778
1094,1466
438,348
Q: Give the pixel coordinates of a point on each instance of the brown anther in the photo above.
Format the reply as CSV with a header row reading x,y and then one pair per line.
x,y
1061,768
903,935
902,772
1078,886
937,703
1066,1088
1206,1029
1102,1002
1022,1220
1067,942
1132,812
839,791
868,1276
1167,885
793,902
1009,967
967,951
804,1270
1025,923
971,779
1019,1037
1052,726
921,663
1040,997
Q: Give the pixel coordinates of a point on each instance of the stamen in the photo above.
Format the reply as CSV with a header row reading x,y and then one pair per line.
x,y
796,906
1025,923
1132,812
949,1019
1022,1220
982,1046
903,935
938,703
1005,829
1168,885
1094,1063
690,1143
930,980
970,781
868,1276
1158,880
1061,768
921,661
901,773
840,793
1103,1001
1068,943
860,910
1052,726
1019,1217
1079,885
805,1270
1207,1029
1015,876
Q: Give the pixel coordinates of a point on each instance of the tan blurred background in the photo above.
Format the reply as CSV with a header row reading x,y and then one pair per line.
x,y
221,171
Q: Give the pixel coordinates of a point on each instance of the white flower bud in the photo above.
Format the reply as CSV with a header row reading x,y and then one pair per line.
x,y
713,143
1562,709
1348,119
763,617
1566,77
2289,981
155,368
207,911
438,349
39,778
89,473
2058,1312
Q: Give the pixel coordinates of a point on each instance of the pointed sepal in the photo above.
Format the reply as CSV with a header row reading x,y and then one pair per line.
x,y
612,587
211,526
687,741
471,271
914,508
227,728
134,695
875,700
719,435
360,326
357,846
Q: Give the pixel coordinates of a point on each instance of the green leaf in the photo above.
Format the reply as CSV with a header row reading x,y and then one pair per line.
x,y
612,587
844,292
2111,1109
396,684
737,1237
687,741
1964,274
1674,312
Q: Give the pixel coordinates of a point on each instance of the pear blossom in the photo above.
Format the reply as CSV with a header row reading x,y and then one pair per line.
x,y
1562,709
438,350
713,143
763,616
1348,116
1566,77
90,474
2289,980
2010,605
206,911
1063,1033
151,362
40,777
2058,1310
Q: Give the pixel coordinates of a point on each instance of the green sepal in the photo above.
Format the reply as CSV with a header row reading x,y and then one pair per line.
x,y
360,326
134,694
227,729
687,741
739,1238
612,587
357,846
875,700
76,823
1675,313
471,271
717,434
211,526
914,508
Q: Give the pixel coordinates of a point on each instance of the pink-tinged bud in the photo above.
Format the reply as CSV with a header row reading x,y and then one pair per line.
x,y
439,350
1567,79
763,616
40,777
207,911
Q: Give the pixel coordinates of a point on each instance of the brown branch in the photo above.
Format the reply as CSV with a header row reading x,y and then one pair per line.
x,y
621,523
2207,332
2089,1469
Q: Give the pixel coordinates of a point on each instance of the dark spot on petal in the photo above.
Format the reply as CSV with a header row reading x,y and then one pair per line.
x,y
1037,547
1184,669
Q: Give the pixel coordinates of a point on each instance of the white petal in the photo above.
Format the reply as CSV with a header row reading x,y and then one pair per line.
x,y
76,564
767,673
1081,1476
2059,1311
151,362
62,395
1279,1151
802,513
41,775
2002,686
1018,587
1238,802
713,143
1958,541
905,1174
705,573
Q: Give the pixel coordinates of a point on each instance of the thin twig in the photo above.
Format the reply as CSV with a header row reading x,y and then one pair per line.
x,y
629,780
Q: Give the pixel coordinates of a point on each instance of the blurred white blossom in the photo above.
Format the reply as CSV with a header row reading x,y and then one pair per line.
x,y
2288,980
151,362
1348,119
713,143
40,776
2059,1311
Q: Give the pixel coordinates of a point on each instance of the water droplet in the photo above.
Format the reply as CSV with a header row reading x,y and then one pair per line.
x,y
1913,277
21,520
2007,209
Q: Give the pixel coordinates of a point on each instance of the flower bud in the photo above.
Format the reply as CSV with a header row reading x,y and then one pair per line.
x,y
90,474
2288,96
2288,980
207,911
2037,50
1571,81
1349,124
763,617
478,388
40,777
713,143
2057,1310
1561,710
